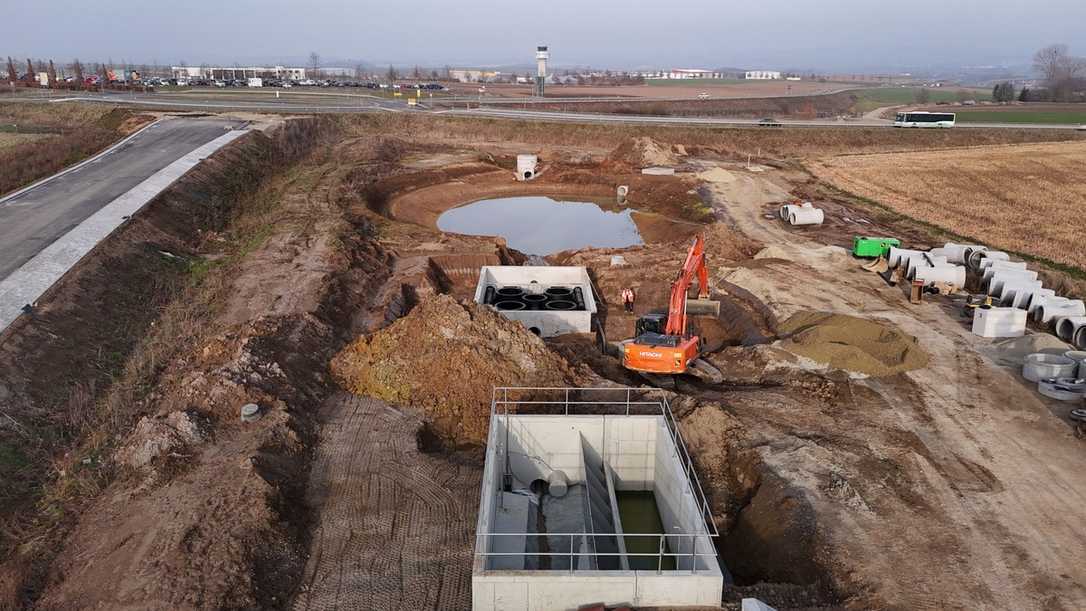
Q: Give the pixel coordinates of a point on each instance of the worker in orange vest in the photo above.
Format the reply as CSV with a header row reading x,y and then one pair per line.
x,y
628,299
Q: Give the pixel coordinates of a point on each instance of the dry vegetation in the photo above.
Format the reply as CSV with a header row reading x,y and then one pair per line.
x,y
1027,199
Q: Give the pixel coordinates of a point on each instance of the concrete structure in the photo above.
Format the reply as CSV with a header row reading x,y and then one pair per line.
x,y
541,57
762,75
549,300
604,443
473,76
237,72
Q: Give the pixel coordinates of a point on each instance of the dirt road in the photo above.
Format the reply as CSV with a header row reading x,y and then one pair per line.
x,y
986,503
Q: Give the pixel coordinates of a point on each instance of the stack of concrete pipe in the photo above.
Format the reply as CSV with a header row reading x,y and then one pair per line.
x,y
1009,283
931,267
801,214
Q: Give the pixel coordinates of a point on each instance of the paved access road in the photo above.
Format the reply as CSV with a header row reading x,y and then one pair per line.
x,y
33,219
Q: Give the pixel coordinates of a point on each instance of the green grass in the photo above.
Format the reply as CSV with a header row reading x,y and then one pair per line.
x,y
870,99
1022,116
687,82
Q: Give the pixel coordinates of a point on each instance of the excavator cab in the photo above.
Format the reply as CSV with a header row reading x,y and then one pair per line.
x,y
655,322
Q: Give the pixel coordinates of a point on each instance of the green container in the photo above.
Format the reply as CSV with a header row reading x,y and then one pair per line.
x,y
873,247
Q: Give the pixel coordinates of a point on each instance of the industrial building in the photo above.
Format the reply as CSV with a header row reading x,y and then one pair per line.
x,y
467,75
762,75
589,495
682,73
237,72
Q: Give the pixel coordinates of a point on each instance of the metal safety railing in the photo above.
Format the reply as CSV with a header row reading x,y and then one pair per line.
x,y
620,401
573,555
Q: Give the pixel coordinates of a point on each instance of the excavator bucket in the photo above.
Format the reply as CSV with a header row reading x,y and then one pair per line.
x,y
702,307
879,266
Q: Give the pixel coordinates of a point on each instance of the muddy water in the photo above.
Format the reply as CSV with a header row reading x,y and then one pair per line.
x,y
541,225
639,514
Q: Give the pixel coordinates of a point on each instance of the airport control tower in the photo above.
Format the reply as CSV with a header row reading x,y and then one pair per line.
x,y
541,57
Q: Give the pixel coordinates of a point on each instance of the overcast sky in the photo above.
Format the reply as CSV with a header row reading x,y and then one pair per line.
x,y
825,34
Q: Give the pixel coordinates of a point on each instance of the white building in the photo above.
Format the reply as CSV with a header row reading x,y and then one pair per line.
x,y
237,72
762,75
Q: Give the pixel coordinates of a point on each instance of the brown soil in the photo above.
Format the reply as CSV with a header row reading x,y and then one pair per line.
x,y
853,344
800,107
444,358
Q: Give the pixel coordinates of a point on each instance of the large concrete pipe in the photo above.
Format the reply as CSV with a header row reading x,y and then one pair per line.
x,y
1041,366
806,216
949,274
510,291
977,256
1008,296
1063,389
1042,297
509,305
897,256
989,267
1067,327
1023,297
924,260
996,282
955,253
1080,343
1051,311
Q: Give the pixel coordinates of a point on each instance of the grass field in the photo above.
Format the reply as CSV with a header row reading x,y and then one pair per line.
x,y
1025,198
870,99
1022,116
10,139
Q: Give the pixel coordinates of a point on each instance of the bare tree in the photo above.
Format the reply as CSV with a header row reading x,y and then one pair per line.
x,y
923,96
416,73
391,74
315,63
52,72
77,71
13,75
1059,69
433,74
29,70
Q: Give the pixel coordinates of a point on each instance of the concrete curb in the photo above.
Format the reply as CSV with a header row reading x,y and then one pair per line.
x,y
26,284
88,160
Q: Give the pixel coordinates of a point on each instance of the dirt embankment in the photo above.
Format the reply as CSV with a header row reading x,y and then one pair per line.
x,y
95,357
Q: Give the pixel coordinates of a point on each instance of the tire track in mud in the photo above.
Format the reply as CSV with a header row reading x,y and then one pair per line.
x,y
393,525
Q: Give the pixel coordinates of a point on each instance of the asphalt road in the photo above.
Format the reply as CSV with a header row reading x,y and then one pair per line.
x,y
33,219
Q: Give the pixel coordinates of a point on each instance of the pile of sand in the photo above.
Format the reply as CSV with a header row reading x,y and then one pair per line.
x,y
643,152
852,344
443,358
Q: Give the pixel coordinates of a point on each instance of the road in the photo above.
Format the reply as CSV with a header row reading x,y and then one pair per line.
x,y
32,219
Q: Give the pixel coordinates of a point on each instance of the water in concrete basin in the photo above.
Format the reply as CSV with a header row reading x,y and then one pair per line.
x,y
639,514
542,226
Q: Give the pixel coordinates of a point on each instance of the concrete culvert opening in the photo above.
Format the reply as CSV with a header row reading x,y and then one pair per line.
x,y
535,330
538,487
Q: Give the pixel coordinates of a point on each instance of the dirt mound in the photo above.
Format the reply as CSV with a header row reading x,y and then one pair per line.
x,y
852,344
444,358
642,152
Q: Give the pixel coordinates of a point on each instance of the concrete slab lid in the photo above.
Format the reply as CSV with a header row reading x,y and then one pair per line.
x,y
658,171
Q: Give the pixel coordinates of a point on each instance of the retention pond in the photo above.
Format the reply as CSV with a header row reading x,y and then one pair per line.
x,y
541,225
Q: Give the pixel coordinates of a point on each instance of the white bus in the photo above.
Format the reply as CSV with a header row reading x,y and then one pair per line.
x,y
924,119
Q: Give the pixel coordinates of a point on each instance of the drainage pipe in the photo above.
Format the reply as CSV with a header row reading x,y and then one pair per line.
x,y
955,253
1041,366
924,260
1067,327
988,268
1042,297
897,255
1080,343
806,216
996,282
1079,357
977,256
1008,296
1051,311
557,484
950,274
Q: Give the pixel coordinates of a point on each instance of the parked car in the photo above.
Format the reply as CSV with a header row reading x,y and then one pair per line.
x,y
769,122
703,95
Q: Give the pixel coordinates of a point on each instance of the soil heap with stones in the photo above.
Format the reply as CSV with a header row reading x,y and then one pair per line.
x,y
444,358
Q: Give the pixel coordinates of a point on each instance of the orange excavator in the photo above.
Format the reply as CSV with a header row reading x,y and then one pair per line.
x,y
661,345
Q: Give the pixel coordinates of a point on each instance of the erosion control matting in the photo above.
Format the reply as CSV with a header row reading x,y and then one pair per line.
x,y
852,344
393,525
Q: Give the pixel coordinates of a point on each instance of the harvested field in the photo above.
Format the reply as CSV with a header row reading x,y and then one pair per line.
x,y
801,107
1026,199
11,140
666,89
